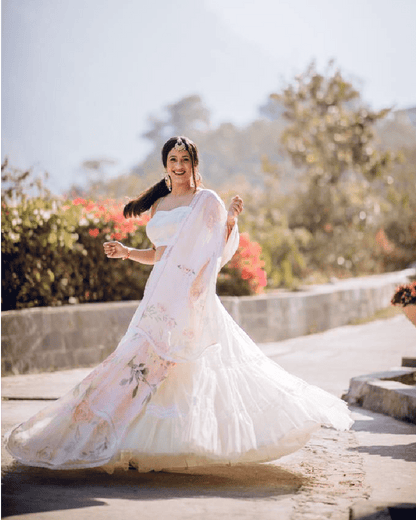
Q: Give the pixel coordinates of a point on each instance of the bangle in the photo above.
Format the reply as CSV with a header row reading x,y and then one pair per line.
x,y
128,254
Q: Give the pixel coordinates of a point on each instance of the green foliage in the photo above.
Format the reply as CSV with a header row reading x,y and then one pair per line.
x,y
327,134
267,224
325,194
35,241
346,191
52,253
396,238
19,185
50,257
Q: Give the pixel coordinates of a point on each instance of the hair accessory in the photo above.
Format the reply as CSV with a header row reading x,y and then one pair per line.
x,y
180,146
168,182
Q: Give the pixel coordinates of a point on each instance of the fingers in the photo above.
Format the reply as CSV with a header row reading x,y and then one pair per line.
x,y
237,204
110,248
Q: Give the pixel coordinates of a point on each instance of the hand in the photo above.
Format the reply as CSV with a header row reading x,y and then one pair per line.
x,y
115,249
236,207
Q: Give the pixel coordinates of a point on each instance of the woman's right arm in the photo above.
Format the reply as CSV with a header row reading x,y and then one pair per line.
x,y
143,256
118,250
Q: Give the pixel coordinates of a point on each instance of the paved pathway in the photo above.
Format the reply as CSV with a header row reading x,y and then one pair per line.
x,y
335,476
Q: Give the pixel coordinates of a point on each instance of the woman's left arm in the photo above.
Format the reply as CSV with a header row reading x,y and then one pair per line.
x,y
236,207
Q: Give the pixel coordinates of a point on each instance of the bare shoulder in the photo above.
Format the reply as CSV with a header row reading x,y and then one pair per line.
x,y
155,205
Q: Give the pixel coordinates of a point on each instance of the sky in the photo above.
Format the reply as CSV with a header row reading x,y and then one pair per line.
x,y
81,78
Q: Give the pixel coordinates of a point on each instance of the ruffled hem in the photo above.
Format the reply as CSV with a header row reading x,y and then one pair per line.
x,y
195,457
232,405
228,407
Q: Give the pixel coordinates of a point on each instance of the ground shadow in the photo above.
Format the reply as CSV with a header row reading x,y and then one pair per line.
x,y
405,452
377,423
381,423
33,490
397,512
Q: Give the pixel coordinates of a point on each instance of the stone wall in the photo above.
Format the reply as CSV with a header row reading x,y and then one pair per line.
x,y
275,317
50,338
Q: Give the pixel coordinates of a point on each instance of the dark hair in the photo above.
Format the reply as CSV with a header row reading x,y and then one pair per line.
x,y
148,197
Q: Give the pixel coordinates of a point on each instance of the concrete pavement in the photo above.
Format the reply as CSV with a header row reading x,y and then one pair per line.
x,y
338,475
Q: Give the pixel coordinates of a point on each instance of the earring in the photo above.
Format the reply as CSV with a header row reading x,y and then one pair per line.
x,y
195,179
168,182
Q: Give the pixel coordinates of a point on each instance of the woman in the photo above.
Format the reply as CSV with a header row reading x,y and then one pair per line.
x,y
185,386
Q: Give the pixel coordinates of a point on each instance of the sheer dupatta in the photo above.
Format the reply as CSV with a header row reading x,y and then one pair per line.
x,y
177,313
174,322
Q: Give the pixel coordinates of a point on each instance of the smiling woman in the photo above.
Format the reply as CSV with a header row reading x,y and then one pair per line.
x,y
185,385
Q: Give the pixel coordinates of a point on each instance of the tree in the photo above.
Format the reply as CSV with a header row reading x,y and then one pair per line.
x,y
331,136
397,233
330,132
182,118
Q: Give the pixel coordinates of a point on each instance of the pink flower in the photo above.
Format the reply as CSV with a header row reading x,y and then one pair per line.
x,y
82,413
90,206
94,232
161,308
328,227
188,333
171,323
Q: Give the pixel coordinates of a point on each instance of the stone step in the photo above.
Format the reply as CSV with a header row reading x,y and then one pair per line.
x,y
408,361
392,392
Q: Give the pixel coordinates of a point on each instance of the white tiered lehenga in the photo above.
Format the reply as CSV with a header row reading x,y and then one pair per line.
x,y
185,386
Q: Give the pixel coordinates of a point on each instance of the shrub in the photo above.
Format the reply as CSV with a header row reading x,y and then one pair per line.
x,y
245,273
52,255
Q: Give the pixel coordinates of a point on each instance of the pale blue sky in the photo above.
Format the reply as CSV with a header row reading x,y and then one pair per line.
x,y
80,78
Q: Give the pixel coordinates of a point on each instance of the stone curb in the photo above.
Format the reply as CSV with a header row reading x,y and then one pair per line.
x,y
392,392
54,338
367,510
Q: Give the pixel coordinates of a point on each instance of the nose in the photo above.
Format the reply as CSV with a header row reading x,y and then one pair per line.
x,y
178,165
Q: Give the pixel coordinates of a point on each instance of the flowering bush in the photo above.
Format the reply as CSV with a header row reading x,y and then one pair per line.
x,y
405,295
245,273
35,239
52,255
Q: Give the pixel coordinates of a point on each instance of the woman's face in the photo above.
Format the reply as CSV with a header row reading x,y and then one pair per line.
x,y
179,167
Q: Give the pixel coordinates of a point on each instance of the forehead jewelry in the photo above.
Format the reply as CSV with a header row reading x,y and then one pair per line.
x,y
180,146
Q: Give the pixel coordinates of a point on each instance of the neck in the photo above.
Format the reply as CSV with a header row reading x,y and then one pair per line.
x,y
181,191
